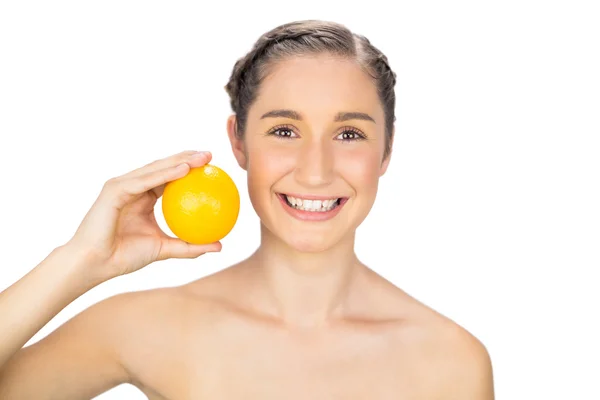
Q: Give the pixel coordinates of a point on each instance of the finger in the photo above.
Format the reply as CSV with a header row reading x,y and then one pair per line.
x,y
177,248
194,163
122,191
159,190
162,163
194,158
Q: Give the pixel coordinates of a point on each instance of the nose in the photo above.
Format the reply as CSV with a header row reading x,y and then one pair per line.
x,y
315,164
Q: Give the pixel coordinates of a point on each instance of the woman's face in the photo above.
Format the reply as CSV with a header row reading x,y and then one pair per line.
x,y
313,176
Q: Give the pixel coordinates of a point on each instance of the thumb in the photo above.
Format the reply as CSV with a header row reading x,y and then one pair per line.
x,y
177,248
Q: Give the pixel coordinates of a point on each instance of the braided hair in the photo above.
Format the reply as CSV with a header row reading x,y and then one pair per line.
x,y
303,38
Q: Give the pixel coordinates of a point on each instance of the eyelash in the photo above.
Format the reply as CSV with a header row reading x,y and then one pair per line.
x,y
358,134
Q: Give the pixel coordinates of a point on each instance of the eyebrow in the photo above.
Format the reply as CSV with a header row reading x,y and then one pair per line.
x,y
340,117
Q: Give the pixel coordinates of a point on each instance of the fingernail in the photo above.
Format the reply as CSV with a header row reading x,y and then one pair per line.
x,y
200,154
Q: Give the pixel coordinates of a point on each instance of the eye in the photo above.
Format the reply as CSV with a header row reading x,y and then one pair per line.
x,y
351,134
283,132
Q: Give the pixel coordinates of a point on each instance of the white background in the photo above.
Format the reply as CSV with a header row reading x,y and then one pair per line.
x,y
489,213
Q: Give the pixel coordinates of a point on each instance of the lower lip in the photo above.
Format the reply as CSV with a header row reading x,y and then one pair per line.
x,y
311,215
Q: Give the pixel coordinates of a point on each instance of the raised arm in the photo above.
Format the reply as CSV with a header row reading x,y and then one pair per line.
x,y
76,361
119,235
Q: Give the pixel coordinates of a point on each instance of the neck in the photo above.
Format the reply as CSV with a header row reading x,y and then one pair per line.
x,y
301,288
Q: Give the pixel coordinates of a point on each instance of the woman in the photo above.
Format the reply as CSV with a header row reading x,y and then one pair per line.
x,y
302,317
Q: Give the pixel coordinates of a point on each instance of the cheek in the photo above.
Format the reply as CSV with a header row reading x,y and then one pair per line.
x,y
360,168
267,164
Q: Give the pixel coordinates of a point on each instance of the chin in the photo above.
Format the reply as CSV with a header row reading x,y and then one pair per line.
x,y
309,244
300,240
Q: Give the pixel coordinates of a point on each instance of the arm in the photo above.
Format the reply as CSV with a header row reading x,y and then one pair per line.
x,y
119,235
75,361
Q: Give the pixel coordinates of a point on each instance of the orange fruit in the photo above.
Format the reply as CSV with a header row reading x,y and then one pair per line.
x,y
201,207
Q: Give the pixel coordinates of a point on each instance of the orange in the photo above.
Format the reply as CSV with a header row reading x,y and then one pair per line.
x,y
201,207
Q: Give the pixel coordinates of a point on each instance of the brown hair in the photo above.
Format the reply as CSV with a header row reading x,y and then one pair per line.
x,y
304,38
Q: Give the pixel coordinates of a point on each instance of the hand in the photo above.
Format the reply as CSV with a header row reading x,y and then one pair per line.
x,y
119,234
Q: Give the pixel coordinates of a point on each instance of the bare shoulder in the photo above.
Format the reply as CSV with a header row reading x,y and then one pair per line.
x,y
156,329
454,363
462,362
141,318
466,366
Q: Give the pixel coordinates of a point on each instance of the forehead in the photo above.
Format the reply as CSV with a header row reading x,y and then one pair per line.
x,y
318,85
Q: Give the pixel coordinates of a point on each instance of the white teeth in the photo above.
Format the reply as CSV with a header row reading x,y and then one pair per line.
x,y
312,205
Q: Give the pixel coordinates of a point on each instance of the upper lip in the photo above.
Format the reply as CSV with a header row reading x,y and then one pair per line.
x,y
311,196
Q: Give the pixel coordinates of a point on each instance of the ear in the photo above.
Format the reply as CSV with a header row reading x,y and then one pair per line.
x,y
386,162
237,144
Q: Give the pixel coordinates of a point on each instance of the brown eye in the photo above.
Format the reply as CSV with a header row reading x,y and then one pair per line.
x,y
350,135
282,132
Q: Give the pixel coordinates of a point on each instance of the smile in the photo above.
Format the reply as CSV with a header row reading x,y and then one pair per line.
x,y
313,208
312,205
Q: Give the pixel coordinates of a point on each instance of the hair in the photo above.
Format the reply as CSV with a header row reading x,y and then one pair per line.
x,y
309,37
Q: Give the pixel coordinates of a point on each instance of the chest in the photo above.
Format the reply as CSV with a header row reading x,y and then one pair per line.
x,y
288,379
275,368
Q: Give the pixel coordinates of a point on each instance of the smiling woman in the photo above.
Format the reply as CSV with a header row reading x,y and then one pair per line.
x,y
328,153
300,318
